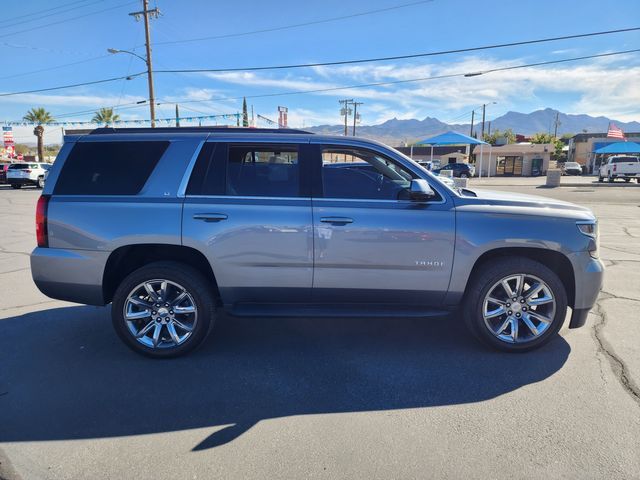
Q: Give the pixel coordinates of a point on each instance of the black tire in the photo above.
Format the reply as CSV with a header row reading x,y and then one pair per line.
x,y
16,186
492,272
40,183
627,180
193,282
600,179
464,175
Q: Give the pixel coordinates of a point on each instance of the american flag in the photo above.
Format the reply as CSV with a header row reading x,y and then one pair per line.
x,y
615,132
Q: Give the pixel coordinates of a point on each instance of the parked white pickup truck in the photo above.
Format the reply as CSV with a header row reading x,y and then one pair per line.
x,y
620,166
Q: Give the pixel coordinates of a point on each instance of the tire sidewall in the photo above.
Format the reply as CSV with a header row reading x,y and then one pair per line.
x,y
494,273
184,275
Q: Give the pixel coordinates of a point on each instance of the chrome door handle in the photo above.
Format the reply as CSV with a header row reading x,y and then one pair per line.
x,y
336,220
210,217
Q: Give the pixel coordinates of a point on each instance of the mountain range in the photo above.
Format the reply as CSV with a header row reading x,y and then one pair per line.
x,y
397,132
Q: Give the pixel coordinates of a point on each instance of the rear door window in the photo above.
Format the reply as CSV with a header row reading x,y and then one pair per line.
x,y
625,160
246,170
109,168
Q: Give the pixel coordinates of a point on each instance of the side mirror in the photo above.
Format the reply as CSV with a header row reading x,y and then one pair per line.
x,y
420,190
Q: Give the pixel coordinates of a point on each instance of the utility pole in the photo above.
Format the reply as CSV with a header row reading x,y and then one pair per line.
x,y
145,13
473,112
484,105
557,124
177,116
355,115
345,110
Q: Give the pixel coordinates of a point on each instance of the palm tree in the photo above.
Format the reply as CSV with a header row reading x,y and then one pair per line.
x,y
41,117
106,116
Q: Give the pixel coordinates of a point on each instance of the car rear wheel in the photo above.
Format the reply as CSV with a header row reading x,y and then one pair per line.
x,y
464,175
515,304
164,309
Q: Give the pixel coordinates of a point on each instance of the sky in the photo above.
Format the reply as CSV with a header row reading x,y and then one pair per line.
x,y
47,43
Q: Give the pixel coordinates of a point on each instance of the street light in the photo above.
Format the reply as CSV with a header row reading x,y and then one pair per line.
x,y
152,103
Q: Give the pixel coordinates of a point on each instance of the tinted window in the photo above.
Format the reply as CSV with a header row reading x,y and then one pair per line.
x,y
108,168
269,172
19,166
624,160
209,173
361,174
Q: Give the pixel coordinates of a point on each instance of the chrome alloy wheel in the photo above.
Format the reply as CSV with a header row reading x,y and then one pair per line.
x,y
160,314
519,308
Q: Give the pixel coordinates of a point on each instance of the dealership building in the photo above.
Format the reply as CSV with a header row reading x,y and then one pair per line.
x,y
582,147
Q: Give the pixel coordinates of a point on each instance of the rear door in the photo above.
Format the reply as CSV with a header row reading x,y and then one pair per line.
x,y
373,244
248,209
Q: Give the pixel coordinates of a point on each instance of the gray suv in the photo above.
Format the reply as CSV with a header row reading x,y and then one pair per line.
x,y
171,226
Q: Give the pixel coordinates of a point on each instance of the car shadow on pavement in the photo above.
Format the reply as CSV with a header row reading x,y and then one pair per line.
x,y
65,375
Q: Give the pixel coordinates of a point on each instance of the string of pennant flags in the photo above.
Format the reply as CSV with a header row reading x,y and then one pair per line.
x,y
170,120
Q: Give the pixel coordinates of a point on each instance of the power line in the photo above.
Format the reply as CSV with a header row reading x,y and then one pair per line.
x,y
399,57
43,11
11,23
346,87
65,20
296,25
62,87
422,79
53,68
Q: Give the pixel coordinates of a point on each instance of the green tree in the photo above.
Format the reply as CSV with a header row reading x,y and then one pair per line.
x,y
40,117
106,116
245,113
542,137
497,134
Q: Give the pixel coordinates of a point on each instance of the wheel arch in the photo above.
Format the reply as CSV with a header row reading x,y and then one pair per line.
x,y
555,261
126,259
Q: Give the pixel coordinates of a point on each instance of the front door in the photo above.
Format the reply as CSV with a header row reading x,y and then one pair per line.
x,y
247,209
373,244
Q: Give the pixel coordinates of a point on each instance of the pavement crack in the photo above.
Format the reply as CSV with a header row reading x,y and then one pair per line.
x,y
618,366
608,296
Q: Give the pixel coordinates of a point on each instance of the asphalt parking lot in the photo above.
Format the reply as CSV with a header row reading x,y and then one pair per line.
x,y
321,398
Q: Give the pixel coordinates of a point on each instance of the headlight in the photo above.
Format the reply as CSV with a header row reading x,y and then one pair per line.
x,y
590,229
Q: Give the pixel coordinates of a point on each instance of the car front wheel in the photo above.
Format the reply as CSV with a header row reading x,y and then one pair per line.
x,y
164,309
515,304
40,183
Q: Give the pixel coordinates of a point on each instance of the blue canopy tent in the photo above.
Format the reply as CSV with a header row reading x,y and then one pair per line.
x,y
619,147
455,138
612,149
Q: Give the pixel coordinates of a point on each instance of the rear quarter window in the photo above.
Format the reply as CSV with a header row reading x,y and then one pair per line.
x,y
109,168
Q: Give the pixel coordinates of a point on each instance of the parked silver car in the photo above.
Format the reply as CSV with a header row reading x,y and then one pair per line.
x,y
283,222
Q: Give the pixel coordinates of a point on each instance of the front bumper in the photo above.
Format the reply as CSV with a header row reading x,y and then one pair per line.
x,y
70,275
589,274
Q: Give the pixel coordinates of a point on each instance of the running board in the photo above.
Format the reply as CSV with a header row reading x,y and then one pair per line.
x,y
348,310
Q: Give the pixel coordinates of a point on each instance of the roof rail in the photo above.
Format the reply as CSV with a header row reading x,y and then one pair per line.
x,y
220,129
